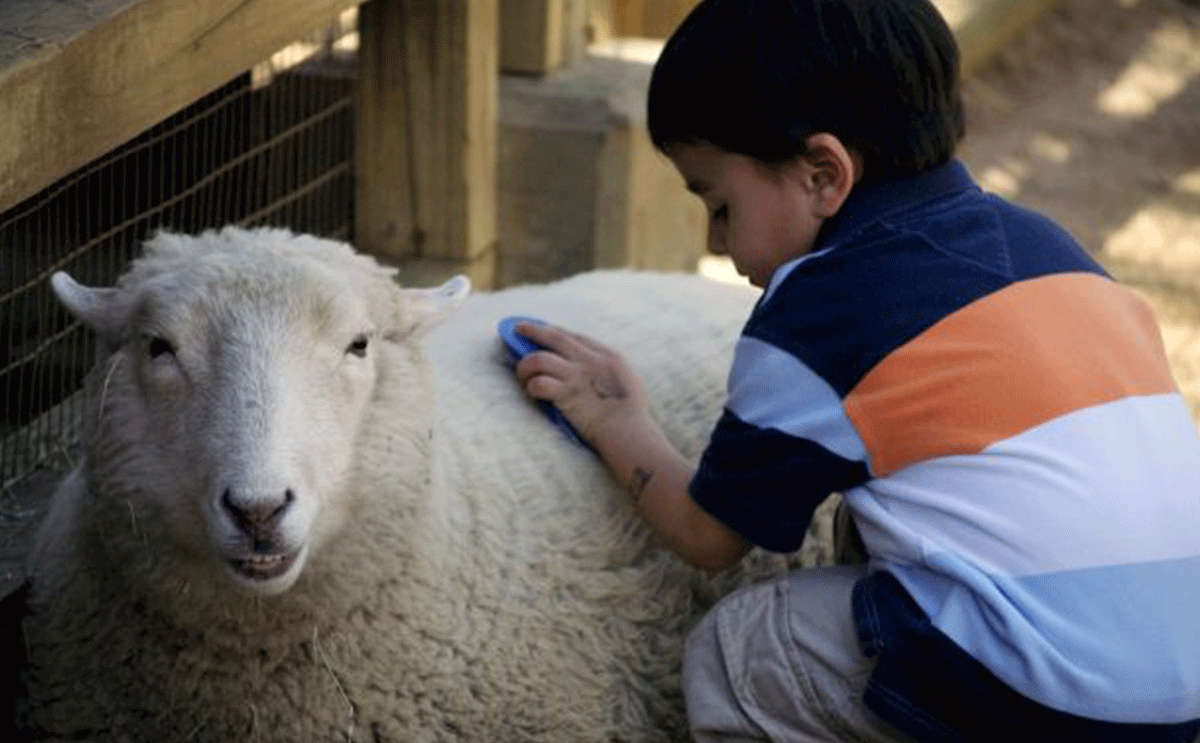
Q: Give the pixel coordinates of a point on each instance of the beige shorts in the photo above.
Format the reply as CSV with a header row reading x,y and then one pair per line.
x,y
780,661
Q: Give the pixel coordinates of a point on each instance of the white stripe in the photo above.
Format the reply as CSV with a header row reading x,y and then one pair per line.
x,y
770,388
1111,484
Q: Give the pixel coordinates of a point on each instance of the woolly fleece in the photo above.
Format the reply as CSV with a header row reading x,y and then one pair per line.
x,y
484,579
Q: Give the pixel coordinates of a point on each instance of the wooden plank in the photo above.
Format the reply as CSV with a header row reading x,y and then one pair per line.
x,y
983,27
625,16
425,187
67,105
660,19
538,37
531,36
655,19
32,28
577,32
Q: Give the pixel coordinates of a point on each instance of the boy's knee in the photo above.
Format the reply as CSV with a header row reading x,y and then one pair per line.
x,y
707,650
713,709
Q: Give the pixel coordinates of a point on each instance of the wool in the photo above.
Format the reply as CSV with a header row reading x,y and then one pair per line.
x,y
470,573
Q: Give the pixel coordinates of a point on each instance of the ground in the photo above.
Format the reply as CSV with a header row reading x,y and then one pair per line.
x,y
1092,117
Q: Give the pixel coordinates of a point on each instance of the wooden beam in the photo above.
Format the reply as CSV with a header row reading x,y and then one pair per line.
x,y
577,32
425,191
627,17
531,36
67,99
538,37
655,19
660,19
983,27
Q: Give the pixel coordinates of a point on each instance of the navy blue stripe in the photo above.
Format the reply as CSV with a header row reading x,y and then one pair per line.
x,y
931,689
873,202
1045,247
842,312
765,484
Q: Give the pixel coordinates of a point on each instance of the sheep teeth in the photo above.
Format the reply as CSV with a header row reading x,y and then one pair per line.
x,y
265,560
263,567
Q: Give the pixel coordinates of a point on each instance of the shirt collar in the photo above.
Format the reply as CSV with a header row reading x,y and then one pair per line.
x,y
873,202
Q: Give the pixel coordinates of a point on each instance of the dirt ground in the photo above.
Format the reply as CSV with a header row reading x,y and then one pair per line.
x,y
1093,118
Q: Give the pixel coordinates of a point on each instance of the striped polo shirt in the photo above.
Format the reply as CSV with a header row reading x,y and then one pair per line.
x,y
1001,419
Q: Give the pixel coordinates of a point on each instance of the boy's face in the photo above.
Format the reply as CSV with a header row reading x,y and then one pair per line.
x,y
760,215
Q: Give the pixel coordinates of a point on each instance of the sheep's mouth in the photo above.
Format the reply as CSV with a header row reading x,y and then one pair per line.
x,y
263,567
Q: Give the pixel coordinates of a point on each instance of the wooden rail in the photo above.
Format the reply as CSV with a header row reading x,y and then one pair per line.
x,y
79,79
82,78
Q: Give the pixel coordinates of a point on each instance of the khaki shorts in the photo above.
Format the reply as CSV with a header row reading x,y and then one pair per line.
x,y
780,661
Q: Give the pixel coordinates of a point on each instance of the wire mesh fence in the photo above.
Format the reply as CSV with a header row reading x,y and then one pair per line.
x,y
278,152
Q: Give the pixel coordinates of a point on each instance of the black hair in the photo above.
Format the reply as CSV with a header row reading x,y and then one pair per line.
x,y
758,77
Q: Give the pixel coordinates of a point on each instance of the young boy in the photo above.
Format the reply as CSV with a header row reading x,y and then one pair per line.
x,y
997,412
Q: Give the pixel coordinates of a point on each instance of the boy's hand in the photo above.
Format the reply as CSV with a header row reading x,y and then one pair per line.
x,y
597,392
589,383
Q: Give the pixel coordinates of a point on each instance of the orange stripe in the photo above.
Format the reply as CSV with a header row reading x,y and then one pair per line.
x,y
1009,361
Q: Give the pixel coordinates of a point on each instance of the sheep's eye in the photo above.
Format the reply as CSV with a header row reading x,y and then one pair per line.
x,y
156,347
358,346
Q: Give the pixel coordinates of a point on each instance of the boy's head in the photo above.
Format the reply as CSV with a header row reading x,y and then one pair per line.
x,y
759,77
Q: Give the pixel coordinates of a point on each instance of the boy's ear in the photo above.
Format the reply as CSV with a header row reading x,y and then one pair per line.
x,y
833,171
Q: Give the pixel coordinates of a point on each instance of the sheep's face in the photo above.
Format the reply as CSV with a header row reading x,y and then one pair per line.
x,y
235,396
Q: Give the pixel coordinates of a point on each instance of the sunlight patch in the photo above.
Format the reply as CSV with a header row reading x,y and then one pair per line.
x,y
1051,149
1189,183
1005,179
1159,235
1170,58
719,267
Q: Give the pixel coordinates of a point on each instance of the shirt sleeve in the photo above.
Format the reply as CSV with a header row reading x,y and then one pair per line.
x,y
782,445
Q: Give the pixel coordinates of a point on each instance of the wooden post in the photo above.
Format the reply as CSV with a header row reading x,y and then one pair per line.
x,y
577,32
531,36
538,37
425,191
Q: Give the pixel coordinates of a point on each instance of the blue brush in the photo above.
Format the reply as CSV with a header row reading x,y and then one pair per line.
x,y
518,347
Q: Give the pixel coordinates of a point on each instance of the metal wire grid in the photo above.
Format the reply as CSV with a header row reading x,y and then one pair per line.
x,y
279,155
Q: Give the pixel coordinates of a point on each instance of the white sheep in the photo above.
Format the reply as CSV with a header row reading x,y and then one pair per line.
x,y
302,516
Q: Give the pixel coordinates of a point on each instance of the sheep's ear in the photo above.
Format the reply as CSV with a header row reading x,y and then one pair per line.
x,y
424,308
96,307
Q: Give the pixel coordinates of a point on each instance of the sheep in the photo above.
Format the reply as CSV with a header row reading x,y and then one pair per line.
x,y
314,505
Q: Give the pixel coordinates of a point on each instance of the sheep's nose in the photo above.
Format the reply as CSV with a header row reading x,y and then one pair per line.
x,y
259,517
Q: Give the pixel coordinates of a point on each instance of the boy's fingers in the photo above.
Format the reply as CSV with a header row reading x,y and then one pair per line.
x,y
560,340
541,363
543,387
549,336
591,343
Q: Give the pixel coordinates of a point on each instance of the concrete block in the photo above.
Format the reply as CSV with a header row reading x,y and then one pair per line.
x,y
580,185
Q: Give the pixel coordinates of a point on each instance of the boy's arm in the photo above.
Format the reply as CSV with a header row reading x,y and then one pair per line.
x,y
597,392
656,477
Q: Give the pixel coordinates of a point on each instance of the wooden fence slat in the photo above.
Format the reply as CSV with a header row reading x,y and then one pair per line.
x,y
531,36
426,135
63,106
